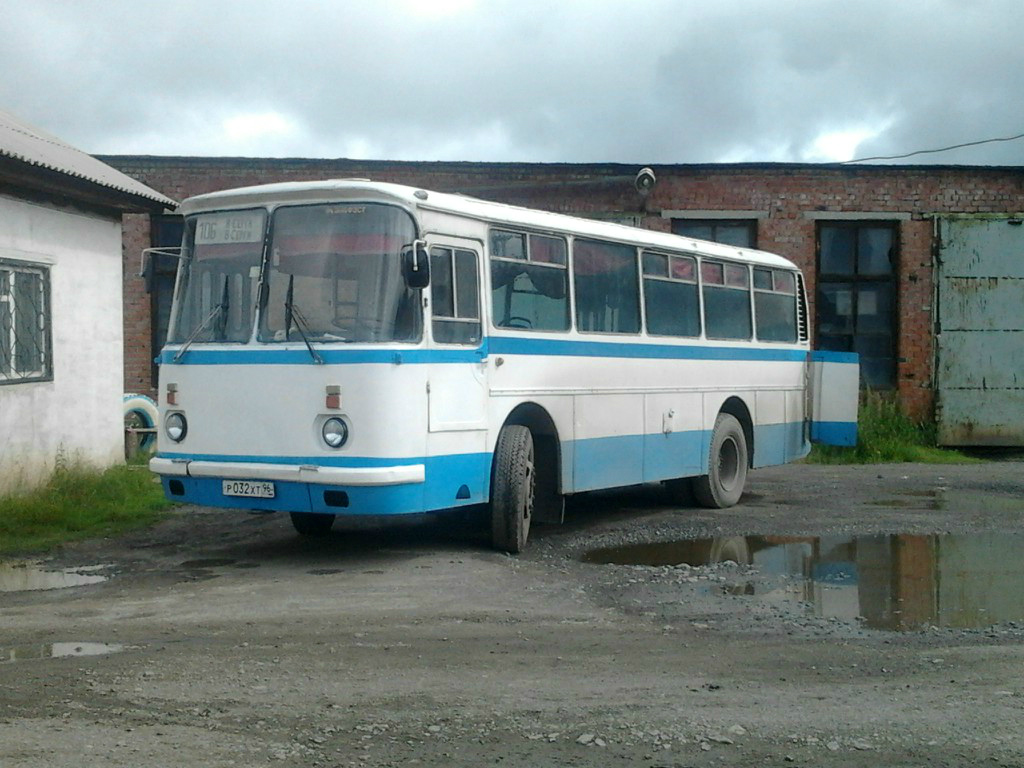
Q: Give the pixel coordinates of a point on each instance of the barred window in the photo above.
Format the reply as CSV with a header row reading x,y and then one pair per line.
x,y
24,322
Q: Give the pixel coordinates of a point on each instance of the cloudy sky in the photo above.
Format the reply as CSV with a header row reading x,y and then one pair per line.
x,y
632,81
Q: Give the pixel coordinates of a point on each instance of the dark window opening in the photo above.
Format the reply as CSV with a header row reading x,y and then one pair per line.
x,y
161,271
741,233
856,296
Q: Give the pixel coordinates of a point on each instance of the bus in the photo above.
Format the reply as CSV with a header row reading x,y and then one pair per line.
x,y
350,347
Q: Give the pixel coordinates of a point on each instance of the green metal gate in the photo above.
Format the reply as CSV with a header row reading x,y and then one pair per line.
x,y
980,331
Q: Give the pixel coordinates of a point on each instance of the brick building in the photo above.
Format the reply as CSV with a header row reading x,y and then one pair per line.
x,y
870,240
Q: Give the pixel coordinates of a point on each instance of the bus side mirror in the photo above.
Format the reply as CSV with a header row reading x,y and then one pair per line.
x,y
148,259
416,265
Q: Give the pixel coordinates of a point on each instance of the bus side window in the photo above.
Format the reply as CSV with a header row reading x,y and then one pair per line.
x,y
775,305
454,296
726,289
607,288
670,295
529,281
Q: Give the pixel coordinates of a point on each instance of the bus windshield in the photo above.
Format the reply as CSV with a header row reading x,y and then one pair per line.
x,y
335,274
219,274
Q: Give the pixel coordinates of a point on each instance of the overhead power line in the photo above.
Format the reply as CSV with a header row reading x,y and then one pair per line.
x,y
932,151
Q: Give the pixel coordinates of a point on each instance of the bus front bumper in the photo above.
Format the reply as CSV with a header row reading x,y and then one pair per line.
x,y
401,474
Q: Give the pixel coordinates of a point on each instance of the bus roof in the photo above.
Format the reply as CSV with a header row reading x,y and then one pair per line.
x,y
501,214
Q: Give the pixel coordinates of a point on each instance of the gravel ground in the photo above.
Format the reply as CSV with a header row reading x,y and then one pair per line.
x,y
800,634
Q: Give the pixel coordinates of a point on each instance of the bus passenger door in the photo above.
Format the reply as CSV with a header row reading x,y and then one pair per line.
x,y
835,395
457,392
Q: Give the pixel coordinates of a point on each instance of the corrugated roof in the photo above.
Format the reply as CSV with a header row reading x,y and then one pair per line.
x,y
26,143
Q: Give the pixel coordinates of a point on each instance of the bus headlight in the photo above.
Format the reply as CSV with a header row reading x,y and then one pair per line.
x,y
176,426
335,432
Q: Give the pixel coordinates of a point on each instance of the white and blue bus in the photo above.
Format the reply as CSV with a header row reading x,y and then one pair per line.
x,y
358,348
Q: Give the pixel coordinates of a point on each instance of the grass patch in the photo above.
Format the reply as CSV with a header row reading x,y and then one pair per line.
x,y
80,503
886,435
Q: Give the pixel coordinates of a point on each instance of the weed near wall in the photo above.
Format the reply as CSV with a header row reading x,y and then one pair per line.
x,y
885,434
77,503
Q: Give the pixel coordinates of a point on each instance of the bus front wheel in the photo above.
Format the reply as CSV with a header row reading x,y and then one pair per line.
x,y
727,465
312,523
512,489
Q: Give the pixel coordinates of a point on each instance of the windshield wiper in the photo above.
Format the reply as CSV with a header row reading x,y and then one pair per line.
x,y
219,311
291,313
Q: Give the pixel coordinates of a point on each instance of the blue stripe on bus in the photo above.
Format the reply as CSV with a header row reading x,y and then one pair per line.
x,y
776,444
826,356
267,356
505,345
514,345
451,481
464,479
834,432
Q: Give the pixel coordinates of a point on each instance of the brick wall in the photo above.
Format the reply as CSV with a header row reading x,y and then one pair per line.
x,y
793,197
138,351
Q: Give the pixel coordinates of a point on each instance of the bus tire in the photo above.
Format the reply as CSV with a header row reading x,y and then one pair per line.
x,y
727,466
513,488
312,523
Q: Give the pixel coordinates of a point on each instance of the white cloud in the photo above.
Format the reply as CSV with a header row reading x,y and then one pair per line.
x,y
256,133
837,146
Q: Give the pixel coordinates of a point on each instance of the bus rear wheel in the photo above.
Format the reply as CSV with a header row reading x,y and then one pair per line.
x,y
312,523
513,488
727,466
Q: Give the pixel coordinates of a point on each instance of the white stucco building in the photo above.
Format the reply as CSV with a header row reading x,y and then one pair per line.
x,y
61,337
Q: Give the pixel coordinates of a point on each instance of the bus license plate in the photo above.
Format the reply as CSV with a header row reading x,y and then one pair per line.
x,y
249,489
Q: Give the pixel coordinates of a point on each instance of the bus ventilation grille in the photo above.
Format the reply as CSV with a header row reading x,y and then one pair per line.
x,y
801,320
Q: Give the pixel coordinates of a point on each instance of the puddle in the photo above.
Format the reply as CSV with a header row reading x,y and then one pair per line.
x,y
23,577
893,582
57,651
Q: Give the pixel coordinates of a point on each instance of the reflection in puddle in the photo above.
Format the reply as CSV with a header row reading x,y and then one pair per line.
x,y
60,650
894,582
57,651
22,577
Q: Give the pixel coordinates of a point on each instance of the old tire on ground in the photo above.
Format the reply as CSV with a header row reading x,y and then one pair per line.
x,y
140,412
727,466
513,485
312,523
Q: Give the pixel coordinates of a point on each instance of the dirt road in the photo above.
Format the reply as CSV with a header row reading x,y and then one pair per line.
x,y
836,617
